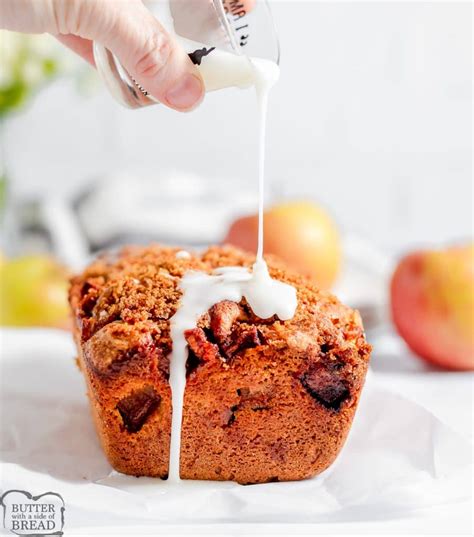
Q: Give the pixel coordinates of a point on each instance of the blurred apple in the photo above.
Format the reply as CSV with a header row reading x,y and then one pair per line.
x,y
432,301
33,292
300,233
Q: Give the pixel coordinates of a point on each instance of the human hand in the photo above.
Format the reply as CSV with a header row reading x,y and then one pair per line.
x,y
127,28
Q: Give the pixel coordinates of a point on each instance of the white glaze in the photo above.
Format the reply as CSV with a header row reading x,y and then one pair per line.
x,y
266,75
221,69
266,296
183,254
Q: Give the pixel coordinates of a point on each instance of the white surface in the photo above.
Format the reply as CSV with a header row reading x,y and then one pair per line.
x,y
372,116
402,470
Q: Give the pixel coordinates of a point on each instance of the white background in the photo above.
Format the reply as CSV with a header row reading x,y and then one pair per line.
x,y
372,117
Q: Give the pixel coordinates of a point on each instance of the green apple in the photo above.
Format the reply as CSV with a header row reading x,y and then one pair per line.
x,y
33,292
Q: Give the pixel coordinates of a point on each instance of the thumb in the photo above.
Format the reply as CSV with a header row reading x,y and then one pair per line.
x,y
147,51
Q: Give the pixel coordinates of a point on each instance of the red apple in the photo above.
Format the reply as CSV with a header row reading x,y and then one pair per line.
x,y
432,302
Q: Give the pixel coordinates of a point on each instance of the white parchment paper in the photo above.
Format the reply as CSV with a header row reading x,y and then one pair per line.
x,y
398,458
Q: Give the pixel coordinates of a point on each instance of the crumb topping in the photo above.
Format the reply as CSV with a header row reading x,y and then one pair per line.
x,y
139,285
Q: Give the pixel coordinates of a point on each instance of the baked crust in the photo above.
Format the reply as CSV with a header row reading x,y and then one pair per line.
x,y
265,400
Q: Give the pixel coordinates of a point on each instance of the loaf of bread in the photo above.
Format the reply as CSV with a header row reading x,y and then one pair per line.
x,y
265,400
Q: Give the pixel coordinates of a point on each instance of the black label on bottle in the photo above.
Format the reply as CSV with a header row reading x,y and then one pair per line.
x,y
197,56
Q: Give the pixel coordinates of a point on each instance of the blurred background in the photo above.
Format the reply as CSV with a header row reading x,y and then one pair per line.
x,y
371,122
371,117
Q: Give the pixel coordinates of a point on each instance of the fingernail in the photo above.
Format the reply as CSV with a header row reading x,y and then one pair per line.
x,y
186,94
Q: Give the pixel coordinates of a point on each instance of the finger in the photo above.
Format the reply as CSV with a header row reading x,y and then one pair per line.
x,y
151,55
81,46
